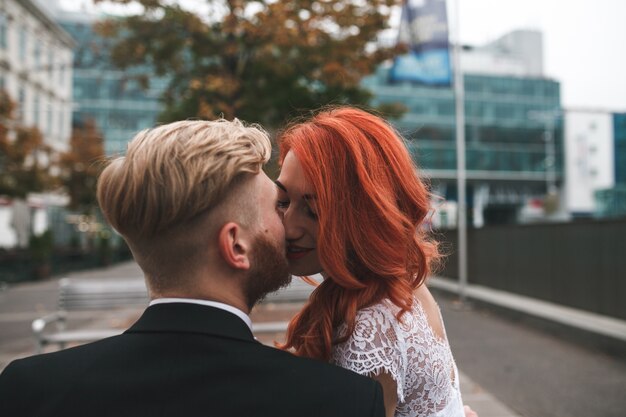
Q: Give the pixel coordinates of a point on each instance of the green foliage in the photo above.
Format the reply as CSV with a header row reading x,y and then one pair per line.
x,y
259,61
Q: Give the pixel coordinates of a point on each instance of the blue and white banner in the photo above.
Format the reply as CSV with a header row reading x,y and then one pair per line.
x,y
424,28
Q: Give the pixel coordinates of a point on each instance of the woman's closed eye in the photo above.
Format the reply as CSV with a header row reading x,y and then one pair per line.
x,y
309,212
282,205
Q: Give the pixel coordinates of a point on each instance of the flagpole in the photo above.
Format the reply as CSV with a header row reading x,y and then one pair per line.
x,y
459,95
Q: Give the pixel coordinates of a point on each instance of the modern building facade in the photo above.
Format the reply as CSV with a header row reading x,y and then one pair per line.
x,y
112,98
36,71
589,158
513,128
102,93
611,202
36,57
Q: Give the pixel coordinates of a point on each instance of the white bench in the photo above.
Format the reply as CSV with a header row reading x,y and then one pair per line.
x,y
81,295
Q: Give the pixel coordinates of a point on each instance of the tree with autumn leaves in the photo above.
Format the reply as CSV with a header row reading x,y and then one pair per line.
x,y
260,61
29,165
24,156
81,166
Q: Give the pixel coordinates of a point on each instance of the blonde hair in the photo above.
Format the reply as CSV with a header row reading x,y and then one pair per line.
x,y
176,182
174,172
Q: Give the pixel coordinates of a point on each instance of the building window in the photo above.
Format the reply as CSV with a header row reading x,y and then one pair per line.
x,y
550,89
529,88
61,74
37,55
23,43
505,111
499,86
3,30
50,119
21,100
473,85
36,112
445,108
50,63
61,122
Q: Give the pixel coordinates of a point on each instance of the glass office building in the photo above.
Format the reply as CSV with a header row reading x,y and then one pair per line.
x,y
513,134
612,201
112,98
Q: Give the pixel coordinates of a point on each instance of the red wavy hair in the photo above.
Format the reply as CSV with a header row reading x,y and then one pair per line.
x,y
370,206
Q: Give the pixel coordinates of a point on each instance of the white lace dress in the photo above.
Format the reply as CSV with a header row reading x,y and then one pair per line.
x,y
420,362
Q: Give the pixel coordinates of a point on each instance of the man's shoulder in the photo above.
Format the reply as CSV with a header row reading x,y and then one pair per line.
x,y
314,367
344,391
27,382
70,358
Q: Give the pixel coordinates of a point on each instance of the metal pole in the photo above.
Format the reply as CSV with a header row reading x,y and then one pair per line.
x,y
550,154
459,95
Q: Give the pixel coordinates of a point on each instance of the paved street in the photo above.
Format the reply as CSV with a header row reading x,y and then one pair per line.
x,y
508,368
21,304
534,372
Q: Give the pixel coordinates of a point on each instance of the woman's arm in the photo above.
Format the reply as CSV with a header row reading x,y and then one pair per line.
x,y
390,393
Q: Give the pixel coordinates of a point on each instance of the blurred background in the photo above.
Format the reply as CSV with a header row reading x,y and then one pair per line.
x,y
514,111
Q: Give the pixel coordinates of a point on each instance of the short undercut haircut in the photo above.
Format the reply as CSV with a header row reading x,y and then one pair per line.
x,y
172,180
174,172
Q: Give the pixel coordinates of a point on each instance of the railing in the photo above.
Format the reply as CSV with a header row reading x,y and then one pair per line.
x,y
19,265
580,264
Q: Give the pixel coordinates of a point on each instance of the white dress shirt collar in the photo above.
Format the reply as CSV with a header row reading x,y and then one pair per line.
x,y
243,316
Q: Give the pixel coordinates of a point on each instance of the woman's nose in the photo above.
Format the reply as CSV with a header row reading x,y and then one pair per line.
x,y
290,221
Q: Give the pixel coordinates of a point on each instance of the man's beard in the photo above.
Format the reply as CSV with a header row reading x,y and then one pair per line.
x,y
269,271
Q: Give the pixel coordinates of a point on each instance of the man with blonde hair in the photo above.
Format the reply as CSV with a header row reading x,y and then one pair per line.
x,y
200,217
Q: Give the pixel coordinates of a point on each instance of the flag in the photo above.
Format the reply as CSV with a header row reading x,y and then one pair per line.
x,y
424,29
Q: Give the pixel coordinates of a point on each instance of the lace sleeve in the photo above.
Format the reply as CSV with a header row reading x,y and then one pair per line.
x,y
374,347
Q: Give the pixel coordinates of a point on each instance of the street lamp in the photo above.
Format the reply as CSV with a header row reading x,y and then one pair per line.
x,y
459,97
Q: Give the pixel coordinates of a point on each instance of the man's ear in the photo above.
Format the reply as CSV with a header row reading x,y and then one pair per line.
x,y
234,246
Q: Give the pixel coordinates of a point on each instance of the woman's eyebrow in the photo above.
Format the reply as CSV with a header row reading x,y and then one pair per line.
x,y
280,185
305,196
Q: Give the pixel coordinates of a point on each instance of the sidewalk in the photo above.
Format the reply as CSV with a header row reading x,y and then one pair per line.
x,y
269,318
578,319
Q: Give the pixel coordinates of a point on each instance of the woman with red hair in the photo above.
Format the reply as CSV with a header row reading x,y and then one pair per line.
x,y
353,208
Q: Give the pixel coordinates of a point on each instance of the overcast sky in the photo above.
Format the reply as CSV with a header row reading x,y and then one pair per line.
x,y
584,41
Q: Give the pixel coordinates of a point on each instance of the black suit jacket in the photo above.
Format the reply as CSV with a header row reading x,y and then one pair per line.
x,y
183,360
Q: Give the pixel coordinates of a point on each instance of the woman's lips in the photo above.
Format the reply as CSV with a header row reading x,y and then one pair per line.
x,y
294,253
